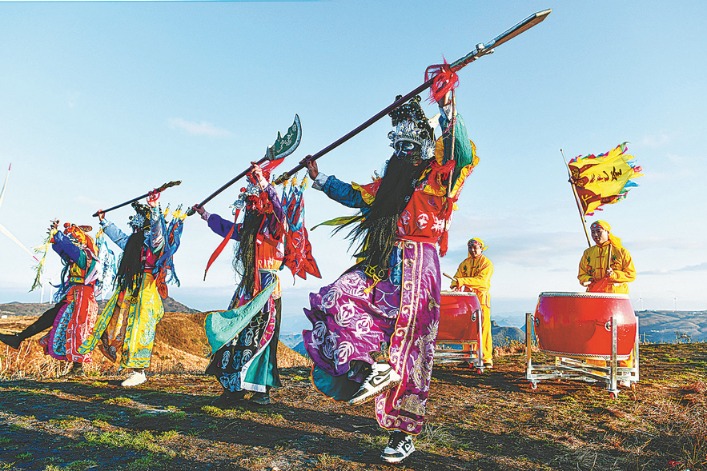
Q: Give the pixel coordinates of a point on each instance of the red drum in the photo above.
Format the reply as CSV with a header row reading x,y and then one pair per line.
x,y
458,317
579,324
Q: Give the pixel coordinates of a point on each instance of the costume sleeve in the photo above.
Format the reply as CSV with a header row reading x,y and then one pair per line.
x,y
222,227
68,251
625,272
344,193
157,230
584,276
482,281
457,275
114,234
278,221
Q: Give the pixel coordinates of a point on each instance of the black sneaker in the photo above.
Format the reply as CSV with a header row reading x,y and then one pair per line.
x,y
13,340
382,378
260,398
228,399
399,447
76,371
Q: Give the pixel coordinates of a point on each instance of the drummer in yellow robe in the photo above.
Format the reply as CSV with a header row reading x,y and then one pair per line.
x,y
606,267
474,274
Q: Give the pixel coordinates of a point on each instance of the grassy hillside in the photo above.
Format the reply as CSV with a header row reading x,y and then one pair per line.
x,y
493,421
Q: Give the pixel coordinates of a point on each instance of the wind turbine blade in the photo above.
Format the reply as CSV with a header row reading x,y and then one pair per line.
x,y
4,185
16,240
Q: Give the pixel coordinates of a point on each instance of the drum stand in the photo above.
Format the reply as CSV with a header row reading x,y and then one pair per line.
x,y
574,367
449,351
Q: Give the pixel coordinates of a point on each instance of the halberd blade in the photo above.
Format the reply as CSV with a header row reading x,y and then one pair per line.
x,y
287,144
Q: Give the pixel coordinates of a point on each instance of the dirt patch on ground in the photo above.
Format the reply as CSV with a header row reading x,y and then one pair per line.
x,y
492,421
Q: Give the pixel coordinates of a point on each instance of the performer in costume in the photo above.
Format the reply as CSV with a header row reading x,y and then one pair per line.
x,y
244,339
128,321
74,314
374,328
606,267
474,274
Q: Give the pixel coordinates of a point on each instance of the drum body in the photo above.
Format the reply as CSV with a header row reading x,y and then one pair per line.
x,y
579,324
459,316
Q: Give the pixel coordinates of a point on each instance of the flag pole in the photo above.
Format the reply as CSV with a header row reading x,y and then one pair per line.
x,y
576,199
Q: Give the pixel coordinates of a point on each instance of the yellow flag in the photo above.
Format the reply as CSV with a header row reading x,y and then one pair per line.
x,y
603,179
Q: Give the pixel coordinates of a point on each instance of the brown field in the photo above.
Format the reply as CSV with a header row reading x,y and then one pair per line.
x,y
492,421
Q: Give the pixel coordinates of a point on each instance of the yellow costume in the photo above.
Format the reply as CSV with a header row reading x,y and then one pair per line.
x,y
474,274
592,270
596,259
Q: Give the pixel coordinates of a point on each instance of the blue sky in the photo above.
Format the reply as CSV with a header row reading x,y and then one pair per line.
x,y
100,102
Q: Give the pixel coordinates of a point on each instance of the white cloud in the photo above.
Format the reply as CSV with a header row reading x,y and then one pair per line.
x,y
198,129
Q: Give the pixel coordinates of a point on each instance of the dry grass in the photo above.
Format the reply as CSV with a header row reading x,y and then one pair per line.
x,y
180,347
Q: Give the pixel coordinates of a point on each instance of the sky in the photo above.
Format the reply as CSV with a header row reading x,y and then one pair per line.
x,y
101,102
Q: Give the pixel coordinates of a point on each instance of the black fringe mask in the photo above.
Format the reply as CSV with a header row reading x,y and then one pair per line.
x,y
377,231
244,259
130,270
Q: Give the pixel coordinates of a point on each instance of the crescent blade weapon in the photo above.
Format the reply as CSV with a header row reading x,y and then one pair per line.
x,y
281,148
480,51
159,189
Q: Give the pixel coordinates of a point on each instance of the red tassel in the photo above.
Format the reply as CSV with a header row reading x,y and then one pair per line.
x,y
222,245
443,243
444,80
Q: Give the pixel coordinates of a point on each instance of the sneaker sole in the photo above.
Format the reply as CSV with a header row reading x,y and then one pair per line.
x,y
367,397
395,459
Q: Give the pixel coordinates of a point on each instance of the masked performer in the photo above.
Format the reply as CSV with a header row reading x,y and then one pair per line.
x,y
374,328
474,274
72,317
127,323
244,339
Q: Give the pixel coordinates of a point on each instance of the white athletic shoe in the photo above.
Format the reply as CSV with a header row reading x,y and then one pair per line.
x,y
399,447
136,378
382,378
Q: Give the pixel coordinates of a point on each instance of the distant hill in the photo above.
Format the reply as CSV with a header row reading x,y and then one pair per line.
x,y
672,326
36,309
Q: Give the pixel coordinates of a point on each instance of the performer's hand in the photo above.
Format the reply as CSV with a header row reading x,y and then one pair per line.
x,y
257,172
101,214
198,209
152,199
312,167
609,272
445,100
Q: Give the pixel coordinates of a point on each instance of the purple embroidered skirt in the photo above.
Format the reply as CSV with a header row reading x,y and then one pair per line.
x,y
350,321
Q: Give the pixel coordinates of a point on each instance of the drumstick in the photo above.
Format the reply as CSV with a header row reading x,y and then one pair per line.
x,y
450,277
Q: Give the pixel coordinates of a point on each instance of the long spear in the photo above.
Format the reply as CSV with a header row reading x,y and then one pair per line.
x,y
576,199
156,190
480,51
283,146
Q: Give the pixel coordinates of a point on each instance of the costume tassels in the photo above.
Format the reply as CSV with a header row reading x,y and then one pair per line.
x,y
444,80
298,249
223,243
42,249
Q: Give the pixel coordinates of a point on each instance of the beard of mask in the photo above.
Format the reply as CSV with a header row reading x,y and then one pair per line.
x,y
244,259
378,229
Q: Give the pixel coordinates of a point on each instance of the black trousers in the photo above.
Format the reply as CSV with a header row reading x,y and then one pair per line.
x,y
44,322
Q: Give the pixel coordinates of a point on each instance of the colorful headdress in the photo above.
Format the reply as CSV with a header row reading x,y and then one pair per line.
x,y
410,124
141,219
78,234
